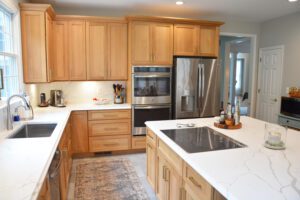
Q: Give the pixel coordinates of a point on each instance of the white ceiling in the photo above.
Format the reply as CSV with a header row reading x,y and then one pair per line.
x,y
242,10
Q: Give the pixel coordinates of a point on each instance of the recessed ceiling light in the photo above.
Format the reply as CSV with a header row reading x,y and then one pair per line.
x,y
293,0
179,2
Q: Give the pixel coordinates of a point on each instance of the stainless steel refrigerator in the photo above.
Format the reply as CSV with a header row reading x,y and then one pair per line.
x,y
196,88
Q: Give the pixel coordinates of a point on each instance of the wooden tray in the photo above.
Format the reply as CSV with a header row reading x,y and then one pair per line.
x,y
224,126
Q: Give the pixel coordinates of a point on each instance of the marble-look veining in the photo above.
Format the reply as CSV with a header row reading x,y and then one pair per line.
x,y
24,162
254,172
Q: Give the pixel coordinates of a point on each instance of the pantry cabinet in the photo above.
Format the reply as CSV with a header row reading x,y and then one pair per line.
x,y
36,25
151,43
196,40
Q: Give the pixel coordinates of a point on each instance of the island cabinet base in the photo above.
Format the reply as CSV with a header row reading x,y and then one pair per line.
x,y
172,178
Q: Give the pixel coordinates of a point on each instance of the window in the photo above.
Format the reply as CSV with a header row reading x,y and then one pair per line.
x,y
8,56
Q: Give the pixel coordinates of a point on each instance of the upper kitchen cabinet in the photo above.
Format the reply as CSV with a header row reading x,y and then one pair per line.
x,y
76,50
186,39
151,43
60,69
209,41
96,47
117,58
36,31
106,45
197,40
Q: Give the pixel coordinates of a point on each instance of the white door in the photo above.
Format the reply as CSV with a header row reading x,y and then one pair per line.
x,y
269,83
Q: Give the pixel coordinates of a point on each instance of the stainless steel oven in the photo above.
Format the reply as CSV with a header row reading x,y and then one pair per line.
x,y
143,113
151,85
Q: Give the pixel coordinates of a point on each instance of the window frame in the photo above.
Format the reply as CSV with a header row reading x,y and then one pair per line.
x,y
13,9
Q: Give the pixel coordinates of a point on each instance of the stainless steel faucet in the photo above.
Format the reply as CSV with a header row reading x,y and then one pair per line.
x,y
9,117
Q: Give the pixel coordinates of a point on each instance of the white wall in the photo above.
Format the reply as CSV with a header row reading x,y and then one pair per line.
x,y
285,31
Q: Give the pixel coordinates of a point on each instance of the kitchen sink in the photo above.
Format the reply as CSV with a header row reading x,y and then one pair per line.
x,y
34,131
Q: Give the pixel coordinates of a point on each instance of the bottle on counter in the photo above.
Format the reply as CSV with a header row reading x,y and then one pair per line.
x,y
237,113
229,111
222,117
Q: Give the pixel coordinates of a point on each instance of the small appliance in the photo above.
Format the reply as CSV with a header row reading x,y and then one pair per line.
x,y
43,102
57,98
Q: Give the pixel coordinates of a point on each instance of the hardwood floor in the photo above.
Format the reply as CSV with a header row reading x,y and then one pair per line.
x,y
138,161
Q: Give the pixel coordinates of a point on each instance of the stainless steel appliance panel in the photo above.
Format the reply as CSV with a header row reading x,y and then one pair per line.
x,y
197,88
143,113
209,82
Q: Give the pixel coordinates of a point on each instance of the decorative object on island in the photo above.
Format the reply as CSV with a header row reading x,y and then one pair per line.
x,y
1,81
119,93
294,92
275,136
227,120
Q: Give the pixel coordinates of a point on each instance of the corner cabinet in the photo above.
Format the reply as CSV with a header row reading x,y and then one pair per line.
x,y
151,43
36,29
196,40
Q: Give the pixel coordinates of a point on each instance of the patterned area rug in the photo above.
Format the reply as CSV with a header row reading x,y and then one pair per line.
x,y
108,179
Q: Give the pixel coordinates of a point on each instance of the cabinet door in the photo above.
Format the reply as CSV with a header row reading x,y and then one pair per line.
x,y
186,40
45,190
77,51
117,69
151,164
62,176
79,129
96,47
141,48
209,41
34,46
60,71
175,184
162,188
162,44
49,46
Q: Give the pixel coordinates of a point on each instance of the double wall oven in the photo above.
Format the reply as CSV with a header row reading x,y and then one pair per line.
x,y
151,96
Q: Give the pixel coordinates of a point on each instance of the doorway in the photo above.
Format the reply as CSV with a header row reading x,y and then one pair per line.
x,y
269,83
237,61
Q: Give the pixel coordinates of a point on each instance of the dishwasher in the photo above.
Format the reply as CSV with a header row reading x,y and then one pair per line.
x,y
54,175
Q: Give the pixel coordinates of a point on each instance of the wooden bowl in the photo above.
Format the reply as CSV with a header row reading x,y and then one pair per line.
x,y
229,122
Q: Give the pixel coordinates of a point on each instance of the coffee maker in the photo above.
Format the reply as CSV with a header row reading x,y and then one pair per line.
x,y
56,98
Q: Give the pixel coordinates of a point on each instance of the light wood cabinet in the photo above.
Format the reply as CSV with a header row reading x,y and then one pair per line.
x,y
60,71
138,142
106,51
151,158
209,41
186,39
44,193
110,143
109,127
76,49
79,128
196,40
151,43
36,39
96,46
117,58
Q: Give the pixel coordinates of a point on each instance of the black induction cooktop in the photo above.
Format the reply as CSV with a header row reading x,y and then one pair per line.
x,y
201,139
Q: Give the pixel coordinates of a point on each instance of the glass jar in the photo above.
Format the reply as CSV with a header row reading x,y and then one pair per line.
x,y
275,136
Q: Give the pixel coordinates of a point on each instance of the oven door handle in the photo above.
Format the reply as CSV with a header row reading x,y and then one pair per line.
x,y
150,107
158,75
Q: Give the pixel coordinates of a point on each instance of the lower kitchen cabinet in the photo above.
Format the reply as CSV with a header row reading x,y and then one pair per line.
x,y
151,158
110,143
45,190
79,128
138,142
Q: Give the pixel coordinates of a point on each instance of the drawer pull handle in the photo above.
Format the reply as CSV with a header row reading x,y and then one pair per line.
x,y
195,182
112,144
151,136
150,146
111,129
164,173
167,174
111,116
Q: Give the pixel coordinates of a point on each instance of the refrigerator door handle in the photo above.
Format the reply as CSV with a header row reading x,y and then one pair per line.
x,y
202,79
198,88
199,101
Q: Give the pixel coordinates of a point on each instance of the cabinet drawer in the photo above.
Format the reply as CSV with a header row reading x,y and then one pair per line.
x,y
151,137
171,156
138,142
198,185
109,127
109,143
289,122
109,114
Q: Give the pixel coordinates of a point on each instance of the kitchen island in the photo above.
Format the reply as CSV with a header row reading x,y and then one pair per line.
x,y
248,173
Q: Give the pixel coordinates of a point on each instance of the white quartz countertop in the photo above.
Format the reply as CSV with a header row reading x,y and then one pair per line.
x,y
250,173
24,162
